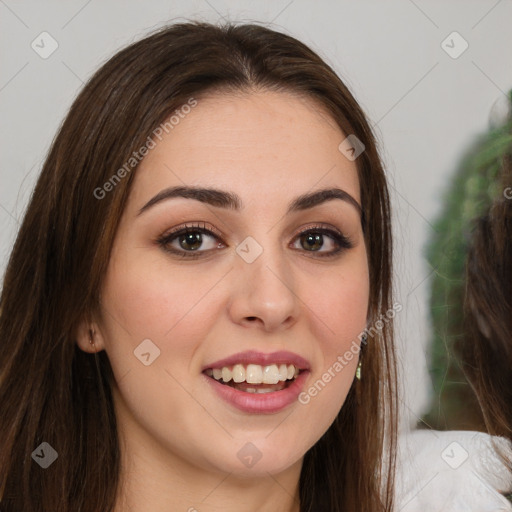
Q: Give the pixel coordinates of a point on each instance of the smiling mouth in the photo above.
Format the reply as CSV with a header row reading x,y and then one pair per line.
x,y
254,378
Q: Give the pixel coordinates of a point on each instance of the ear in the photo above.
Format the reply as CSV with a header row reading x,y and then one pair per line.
x,y
89,337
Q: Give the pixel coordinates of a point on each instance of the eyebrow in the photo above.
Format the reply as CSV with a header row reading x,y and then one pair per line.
x,y
229,200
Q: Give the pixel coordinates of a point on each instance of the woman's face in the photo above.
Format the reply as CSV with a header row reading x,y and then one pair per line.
x,y
269,280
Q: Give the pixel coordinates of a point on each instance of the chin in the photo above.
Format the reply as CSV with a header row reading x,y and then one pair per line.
x,y
258,457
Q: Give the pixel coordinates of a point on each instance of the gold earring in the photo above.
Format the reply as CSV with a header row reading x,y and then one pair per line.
x,y
91,337
358,371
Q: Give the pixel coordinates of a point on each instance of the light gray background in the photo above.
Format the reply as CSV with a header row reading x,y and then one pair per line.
x,y
426,106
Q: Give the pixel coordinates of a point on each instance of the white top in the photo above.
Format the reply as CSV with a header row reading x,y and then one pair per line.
x,y
454,471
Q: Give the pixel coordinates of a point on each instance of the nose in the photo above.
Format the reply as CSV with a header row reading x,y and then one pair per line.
x,y
263,293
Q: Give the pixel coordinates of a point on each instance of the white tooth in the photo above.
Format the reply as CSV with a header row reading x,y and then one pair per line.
x,y
217,373
254,374
238,373
283,372
209,372
258,390
226,374
291,371
270,374
296,374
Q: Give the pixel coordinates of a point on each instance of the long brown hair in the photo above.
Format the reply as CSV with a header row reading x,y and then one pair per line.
x,y
53,392
487,346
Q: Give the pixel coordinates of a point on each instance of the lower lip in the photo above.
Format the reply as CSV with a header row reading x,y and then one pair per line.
x,y
260,403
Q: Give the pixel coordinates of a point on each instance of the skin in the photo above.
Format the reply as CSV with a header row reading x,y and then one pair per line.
x,y
179,440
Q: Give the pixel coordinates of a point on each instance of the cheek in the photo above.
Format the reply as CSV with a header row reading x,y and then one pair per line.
x,y
153,304
339,314
150,300
339,302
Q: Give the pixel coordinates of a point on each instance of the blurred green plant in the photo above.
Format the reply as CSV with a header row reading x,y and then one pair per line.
x,y
470,192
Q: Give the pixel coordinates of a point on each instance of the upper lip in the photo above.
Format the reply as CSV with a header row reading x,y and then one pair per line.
x,y
255,357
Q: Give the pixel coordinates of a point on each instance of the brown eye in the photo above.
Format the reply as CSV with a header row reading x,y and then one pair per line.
x,y
190,241
322,241
312,241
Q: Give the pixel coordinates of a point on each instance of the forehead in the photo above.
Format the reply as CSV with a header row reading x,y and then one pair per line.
x,y
262,145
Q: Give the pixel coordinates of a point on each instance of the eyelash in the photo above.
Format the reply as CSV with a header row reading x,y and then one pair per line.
x,y
163,241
